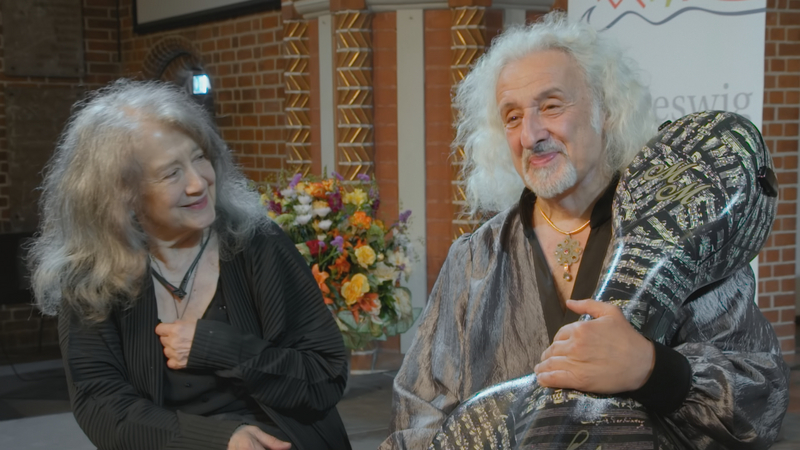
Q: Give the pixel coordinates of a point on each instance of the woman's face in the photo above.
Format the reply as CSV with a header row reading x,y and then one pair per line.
x,y
178,191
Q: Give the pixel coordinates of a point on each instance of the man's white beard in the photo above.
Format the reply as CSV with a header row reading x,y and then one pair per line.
x,y
553,179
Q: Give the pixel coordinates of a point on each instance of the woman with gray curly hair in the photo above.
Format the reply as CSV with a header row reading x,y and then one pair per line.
x,y
186,318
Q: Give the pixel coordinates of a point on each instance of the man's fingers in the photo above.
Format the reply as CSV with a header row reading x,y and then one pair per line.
x,y
565,332
271,442
559,348
562,379
592,307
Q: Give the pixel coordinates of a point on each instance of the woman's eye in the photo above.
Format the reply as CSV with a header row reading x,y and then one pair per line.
x,y
172,174
200,157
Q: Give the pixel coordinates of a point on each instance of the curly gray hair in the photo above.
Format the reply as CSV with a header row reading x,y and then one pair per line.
x,y
90,252
621,101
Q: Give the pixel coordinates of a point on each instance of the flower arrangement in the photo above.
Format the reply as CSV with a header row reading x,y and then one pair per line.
x,y
357,260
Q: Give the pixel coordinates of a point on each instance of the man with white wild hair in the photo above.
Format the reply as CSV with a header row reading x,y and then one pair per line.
x,y
548,118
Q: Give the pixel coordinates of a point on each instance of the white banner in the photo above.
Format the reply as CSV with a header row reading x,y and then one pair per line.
x,y
697,54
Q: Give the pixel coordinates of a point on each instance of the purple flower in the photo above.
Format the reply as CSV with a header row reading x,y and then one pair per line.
x,y
363,177
275,207
376,204
338,242
337,176
404,216
295,179
335,201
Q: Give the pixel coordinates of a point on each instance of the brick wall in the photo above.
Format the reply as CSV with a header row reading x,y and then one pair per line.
x,y
101,66
21,328
242,56
780,128
438,136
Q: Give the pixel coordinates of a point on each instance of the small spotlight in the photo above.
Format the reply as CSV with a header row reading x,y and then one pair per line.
x,y
201,84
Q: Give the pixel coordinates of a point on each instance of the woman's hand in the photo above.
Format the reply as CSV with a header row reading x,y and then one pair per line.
x,y
604,356
249,437
177,340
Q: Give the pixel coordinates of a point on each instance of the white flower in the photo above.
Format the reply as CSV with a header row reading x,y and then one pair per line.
x,y
401,239
304,199
322,212
302,209
400,261
288,193
384,273
402,302
303,219
325,225
321,237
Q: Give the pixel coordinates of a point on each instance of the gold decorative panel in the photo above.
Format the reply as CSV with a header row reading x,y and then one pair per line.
x,y
297,91
467,44
355,152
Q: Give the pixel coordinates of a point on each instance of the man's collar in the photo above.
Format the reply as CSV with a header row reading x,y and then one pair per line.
x,y
600,213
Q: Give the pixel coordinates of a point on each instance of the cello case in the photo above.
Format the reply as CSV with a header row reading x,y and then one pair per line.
x,y
695,205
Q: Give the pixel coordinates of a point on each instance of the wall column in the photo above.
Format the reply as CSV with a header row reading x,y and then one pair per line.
x,y
467,44
296,78
354,108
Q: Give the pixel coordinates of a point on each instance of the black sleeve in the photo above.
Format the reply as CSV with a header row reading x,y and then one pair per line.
x,y
299,365
111,411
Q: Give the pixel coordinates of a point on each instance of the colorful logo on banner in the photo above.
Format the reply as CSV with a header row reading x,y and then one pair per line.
x,y
608,13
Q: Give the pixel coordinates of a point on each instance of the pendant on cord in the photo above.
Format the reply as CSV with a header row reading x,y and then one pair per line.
x,y
568,253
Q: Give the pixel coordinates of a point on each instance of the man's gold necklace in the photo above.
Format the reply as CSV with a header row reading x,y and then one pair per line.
x,y
568,252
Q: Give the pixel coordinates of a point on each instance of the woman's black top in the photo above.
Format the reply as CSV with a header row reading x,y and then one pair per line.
x,y
280,345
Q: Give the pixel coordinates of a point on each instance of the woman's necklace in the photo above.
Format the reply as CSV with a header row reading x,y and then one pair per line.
x,y
180,292
568,252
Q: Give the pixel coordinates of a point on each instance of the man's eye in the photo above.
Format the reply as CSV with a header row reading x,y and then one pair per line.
x,y
512,120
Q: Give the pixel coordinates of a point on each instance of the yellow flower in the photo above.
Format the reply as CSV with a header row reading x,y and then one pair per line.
x,y
271,214
357,197
319,204
355,288
300,187
264,199
365,255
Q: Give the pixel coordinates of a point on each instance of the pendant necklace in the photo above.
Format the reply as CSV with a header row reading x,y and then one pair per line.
x,y
180,291
568,252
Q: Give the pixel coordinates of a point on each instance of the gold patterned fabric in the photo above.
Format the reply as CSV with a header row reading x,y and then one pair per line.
x,y
484,324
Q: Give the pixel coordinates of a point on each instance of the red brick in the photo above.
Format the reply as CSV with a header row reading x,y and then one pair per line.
x,y
792,113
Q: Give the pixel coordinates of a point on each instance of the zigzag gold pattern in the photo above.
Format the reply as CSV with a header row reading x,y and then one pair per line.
x,y
297,82
355,153
467,44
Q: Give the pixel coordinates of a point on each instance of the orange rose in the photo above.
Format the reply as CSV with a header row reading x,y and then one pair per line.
x,y
360,220
316,190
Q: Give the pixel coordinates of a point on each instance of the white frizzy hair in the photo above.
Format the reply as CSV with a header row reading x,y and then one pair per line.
x,y
624,105
90,252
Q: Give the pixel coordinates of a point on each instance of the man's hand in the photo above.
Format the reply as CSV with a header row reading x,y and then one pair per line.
x,y
603,356
252,438
177,340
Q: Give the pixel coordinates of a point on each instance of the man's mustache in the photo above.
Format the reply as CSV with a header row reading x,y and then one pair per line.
x,y
548,146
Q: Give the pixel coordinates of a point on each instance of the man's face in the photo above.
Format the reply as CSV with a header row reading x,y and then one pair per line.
x,y
546,108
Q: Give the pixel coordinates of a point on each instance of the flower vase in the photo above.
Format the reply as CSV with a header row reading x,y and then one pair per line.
x,y
362,360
